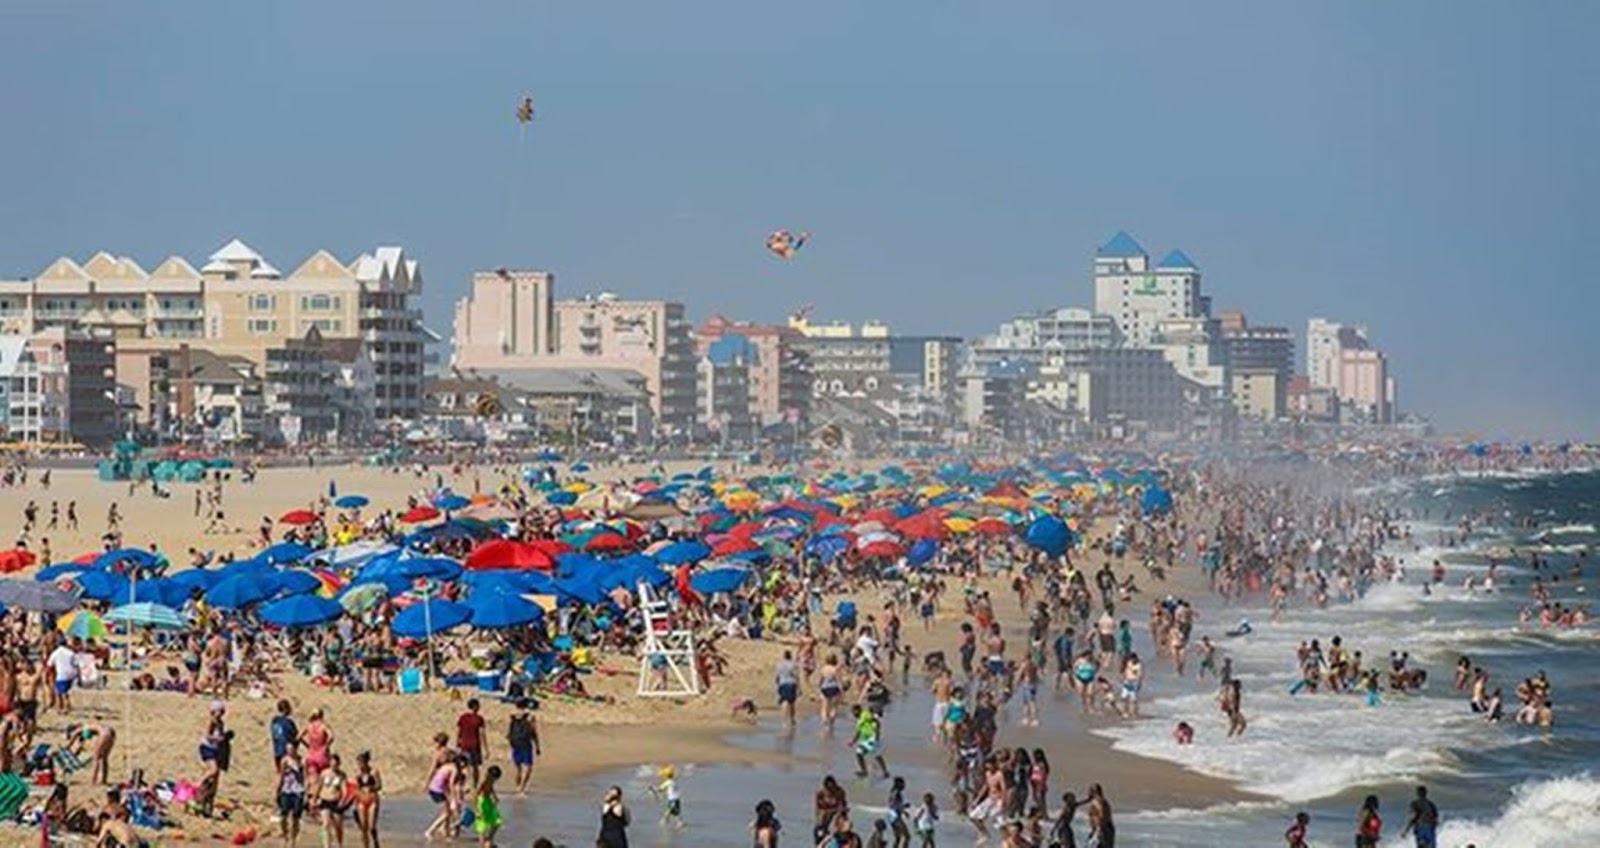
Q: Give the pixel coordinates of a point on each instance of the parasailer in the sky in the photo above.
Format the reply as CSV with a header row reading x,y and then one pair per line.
x,y
525,110
784,244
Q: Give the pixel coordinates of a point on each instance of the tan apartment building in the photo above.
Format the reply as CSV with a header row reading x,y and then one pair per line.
x,y
780,373
238,303
511,321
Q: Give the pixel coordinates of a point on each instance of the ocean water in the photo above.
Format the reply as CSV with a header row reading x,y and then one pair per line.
x,y
1496,785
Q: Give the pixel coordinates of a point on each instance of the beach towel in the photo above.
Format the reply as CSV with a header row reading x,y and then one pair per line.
x,y
13,792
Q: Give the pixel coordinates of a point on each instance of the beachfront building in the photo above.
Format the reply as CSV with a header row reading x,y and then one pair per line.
x,y
239,304
780,374
1140,295
1261,359
858,360
600,406
511,321
1326,342
60,387
1041,336
1341,358
723,394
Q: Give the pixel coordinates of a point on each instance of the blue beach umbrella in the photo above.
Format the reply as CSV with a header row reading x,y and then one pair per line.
x,y
1049,534
562,498
100,585
195,578
351,502
127,558
294,583
499,610
160,591
1156,502
301,611
452,502
241,590
719,580
284,552
434,615
679,553
922,552
52,573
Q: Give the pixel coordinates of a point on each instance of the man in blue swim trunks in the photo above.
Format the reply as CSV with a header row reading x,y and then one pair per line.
x,y
788,677
1424,821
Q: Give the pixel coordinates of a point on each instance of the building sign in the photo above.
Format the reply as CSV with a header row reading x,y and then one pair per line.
x,y
1149,286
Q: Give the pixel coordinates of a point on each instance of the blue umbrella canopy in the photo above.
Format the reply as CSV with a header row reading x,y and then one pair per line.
x,y
562,498
922,552
452,502
241,590
160,591
1156,502
432,616
1050,534
52,573
499,610
284,552
718,580
127,558
411,568
100,585
679,553
351,502
295,583
195,578
301,611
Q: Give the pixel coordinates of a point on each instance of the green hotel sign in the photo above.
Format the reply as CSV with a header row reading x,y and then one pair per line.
x,y
1148,286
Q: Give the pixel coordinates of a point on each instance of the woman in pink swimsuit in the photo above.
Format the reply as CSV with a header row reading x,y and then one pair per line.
x,y
319,744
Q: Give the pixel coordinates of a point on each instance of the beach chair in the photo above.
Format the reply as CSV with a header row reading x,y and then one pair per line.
x,y
13,792
411,681
66,761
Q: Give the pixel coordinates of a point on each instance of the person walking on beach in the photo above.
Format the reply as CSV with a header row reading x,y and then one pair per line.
x,y
522,736
868,741
470,737
1424,821
331,802
441,792
614,821
1102,830
788,680
486,808
291,794
63,663
369,799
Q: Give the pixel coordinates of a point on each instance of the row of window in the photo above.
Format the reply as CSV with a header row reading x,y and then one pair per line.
x,y
308,302
269,326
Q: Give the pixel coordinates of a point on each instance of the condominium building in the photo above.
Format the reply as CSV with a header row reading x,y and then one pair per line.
x,y
780,375
1326,342
238,303
60,386
1262,363
1042,336
849,360
510,320
1140,295
723,389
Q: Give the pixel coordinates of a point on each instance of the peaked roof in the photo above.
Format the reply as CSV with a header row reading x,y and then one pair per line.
x,y
1120,245
236,251
1176,259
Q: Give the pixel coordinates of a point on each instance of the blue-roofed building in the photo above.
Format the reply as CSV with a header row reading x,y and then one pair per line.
x,y
1140,296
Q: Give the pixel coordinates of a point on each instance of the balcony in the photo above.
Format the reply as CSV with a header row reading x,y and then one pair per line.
x,y
190,313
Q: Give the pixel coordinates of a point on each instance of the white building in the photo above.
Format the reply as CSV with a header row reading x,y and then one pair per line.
x,y
1140,296
1326,342
1042,336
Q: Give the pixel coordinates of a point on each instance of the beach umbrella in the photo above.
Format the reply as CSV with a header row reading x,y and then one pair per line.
x,y
678,553
561,498
1156,502
413,567
505,553
195,578
127,558
82,624
433,615
298,517
419,514
301,611
1049,534
241,590
158,591
500,610
452,502
147,615
35,597
922,552
719,580
294,583
886,548
607,542
992,527
547,456
284,552
16,560
351,502
360,597
98,585
59,571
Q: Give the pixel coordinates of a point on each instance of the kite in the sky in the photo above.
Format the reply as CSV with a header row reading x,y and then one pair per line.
x,y
525,110
784,244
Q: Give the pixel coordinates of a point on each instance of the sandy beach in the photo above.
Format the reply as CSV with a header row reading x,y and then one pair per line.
x,y
160,732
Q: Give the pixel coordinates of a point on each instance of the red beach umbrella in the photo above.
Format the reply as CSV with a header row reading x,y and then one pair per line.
x,y
420,513
298,517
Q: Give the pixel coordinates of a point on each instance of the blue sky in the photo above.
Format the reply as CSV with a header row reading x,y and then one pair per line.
x,y
1425,167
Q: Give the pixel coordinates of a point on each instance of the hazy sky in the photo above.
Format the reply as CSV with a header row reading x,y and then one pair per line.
x,y
1428,168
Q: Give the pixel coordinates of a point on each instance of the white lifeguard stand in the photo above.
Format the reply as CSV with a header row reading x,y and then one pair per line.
x,y
671,647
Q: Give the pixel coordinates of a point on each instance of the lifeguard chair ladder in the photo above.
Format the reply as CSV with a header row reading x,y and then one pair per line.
x,y
671,647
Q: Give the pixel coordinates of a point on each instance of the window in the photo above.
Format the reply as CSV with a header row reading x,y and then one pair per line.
x,y
323,325
263,302
320,302
262,326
